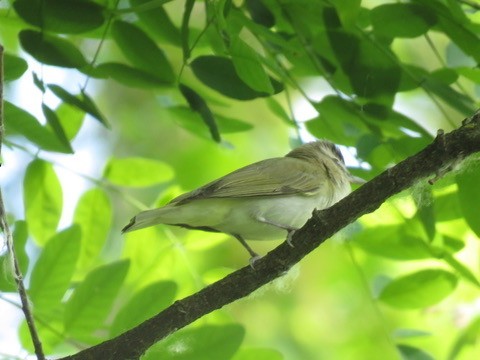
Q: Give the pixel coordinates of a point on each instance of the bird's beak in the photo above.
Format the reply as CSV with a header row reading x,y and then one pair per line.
x,y
356,180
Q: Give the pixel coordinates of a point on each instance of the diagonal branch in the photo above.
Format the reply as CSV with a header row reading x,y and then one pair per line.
x,y
436,159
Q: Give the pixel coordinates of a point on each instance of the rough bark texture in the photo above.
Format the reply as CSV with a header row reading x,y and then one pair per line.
x,y
435,159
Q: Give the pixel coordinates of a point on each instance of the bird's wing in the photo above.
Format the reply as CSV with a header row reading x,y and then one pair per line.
x,y
271,177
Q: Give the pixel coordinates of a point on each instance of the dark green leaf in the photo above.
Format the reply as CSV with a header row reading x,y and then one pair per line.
x,y
14,67
20,235
469,195
199,105
137,172
19,121
81,101
185,30
219,74
56,126
92,206
91,302
420,289
38,82
202,343
130,76
389,20
408,352
142,51
67,17
249,67
143,305
348,12
452,97
51,49
157,22
54,269
260,13
43,200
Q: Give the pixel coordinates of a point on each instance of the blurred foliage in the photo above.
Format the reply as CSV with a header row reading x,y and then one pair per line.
x,y
167,95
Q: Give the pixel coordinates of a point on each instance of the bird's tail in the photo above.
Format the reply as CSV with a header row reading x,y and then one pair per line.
x,y
145,219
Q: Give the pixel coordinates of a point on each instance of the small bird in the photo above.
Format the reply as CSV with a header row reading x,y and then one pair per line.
x,y
269,199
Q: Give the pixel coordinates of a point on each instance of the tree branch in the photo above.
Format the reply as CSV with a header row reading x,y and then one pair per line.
x,y
9,241
436,159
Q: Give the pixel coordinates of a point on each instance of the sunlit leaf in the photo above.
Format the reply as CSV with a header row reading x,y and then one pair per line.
x,y
20,236
135,171
202,343
71,119
42,195
258,354
143,305
54,269
468,336
94,215
56,126
51,49
420,289
91,302
469,195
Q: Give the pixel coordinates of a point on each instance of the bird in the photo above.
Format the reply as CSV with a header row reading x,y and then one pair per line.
x,y
269,199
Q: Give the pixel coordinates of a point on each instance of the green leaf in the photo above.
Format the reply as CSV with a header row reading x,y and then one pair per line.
x,y
461,269
130,76
67,17
71,118
348,12
452,97
142,51
249,67
202,343
394,242
137,172
258,354
389,20
469,196
14,67
42,196
81,101
468,336
191,121
425,210
199,105
51,49
447,207
408,352
420,289
185,29
92,300
93,205
260,13
54,269
19,235
144,305
21,122
56,126
219,73
157,22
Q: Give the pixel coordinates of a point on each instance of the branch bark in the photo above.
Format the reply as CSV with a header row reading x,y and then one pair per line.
x,y
436,159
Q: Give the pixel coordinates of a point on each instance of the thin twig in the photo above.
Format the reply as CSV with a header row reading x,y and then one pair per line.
x,y
9,241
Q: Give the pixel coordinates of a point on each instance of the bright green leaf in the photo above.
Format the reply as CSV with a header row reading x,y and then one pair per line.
x,y
42,195
249,67
143,305
219,73
54,269
14,67
71,118
137,172
19,121
469,195
142,51
258,354
67,17
51,50
420,289
91,302
468,336
202,343
94,214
